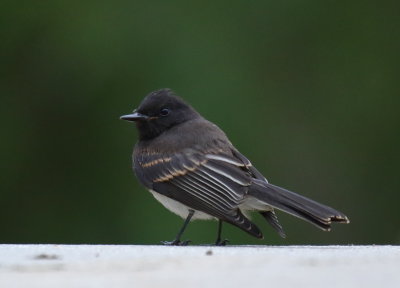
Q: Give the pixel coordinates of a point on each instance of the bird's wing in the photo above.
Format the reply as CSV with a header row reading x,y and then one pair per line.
x,y
252,170
212,182
215,178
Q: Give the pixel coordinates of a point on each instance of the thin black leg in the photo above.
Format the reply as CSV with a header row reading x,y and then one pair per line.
x,y
220,242
177,241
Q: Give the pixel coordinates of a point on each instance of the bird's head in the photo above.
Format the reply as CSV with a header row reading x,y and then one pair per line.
x,y
159,111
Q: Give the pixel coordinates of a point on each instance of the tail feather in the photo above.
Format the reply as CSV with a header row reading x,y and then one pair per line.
x,y
316,213
270,216
245,224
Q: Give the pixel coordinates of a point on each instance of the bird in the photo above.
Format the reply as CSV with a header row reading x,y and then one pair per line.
x,y
191,167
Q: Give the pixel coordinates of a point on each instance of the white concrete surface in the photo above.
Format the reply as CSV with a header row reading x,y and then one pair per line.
x,y
120,266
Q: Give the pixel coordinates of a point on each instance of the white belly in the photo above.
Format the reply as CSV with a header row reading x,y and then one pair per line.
x,y
179,208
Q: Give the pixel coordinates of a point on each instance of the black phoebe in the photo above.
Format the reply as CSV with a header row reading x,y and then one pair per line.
x,y
191,167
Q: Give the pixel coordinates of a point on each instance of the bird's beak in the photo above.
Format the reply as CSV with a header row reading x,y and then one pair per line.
x,y
135,116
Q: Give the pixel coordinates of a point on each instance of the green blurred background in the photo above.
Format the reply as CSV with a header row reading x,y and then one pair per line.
x,y
307,90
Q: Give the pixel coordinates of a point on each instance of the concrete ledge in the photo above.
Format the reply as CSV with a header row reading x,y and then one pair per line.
x,y
198,266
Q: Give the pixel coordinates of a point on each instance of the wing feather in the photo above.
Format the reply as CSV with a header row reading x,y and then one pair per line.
x,y
212,182
213,178
206,193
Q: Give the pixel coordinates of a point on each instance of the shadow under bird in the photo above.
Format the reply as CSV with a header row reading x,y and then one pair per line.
x,y
192,168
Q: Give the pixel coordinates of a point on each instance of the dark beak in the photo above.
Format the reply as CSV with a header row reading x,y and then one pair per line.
x,y
136,116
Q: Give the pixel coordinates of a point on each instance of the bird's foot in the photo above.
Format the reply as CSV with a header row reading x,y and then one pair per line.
x,y
176,242
220,242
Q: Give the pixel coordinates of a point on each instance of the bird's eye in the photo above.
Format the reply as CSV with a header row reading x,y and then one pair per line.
x,y
164,112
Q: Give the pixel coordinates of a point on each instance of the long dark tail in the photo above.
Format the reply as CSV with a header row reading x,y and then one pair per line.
x,y
318,214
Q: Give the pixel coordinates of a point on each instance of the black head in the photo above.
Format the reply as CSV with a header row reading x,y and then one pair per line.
x,y
159,111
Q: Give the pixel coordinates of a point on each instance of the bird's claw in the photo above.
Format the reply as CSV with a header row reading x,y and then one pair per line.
x,y
176,242
220,242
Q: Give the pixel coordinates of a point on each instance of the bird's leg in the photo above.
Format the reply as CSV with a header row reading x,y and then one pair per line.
x,y
220,242
177,241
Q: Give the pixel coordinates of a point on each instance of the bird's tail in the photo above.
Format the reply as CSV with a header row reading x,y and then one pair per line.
x,y
318,214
